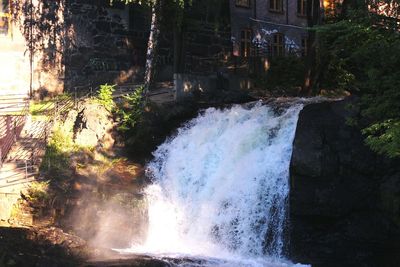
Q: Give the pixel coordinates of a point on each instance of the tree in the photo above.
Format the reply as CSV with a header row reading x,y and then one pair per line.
x,y
152,44
158,8
361,54
311,70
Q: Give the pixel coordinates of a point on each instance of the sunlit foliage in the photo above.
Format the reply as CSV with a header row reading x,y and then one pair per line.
x,y
105,97
362,55
132,109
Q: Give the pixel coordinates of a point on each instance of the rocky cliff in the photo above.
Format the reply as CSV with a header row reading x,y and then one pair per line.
x,y
345,199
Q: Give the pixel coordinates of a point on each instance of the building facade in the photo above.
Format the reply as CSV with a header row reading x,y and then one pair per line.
x,y
14,62
269,27
58,45
49,46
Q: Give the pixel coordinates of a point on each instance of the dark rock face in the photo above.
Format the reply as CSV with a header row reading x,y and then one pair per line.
x,y
344,199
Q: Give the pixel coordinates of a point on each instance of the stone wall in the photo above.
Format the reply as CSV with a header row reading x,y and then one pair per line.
x,y
344,199
73,43
90,42
207,37
107,43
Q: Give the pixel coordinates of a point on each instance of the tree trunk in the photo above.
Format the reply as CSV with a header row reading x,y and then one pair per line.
x,y
152,46
179,54
314,17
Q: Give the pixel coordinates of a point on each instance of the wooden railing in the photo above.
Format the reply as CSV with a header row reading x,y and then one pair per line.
x,y
15,108
13,104
13,116
13,112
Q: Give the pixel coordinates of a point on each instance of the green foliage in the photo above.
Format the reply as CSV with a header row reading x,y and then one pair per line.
x,y
38,192
131,111
58,151
41,109
361,56
105,98
384,137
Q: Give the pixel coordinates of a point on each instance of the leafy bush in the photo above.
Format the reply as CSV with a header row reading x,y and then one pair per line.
x,y
57,155
38,192
105,98
132,109
384,137
362,56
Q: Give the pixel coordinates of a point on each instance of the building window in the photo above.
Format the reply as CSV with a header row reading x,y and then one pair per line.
x,y
278,47
301,7
242,3
245,42
304,46
275,5
5,17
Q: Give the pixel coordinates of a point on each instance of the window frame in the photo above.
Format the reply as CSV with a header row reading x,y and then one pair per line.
x,y
273,6
248,5
246,36
278,48
302,8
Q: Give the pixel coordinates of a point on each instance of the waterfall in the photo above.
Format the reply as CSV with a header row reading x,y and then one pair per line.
x,y
221,186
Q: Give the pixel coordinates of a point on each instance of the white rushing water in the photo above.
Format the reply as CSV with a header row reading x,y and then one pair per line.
x,y
221,187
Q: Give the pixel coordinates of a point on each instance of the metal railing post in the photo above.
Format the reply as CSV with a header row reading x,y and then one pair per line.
x,y
75,98
33,155
15,130
55,110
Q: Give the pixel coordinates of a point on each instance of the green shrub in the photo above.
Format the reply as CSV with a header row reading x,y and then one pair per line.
x,y
58,150
38,192
361,56
384,137
105,98
132,109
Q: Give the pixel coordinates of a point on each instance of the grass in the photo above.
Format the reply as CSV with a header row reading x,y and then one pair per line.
x,y
41,110
59,149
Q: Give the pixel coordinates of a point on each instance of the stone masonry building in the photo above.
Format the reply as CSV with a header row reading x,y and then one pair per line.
x,y
57,45
48,46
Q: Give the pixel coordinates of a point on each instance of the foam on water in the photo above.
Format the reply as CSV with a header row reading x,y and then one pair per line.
x,y
221,188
